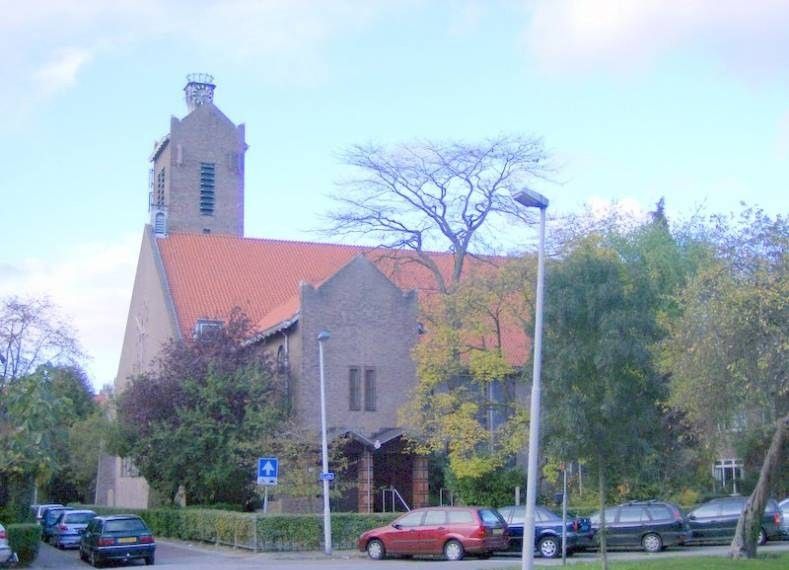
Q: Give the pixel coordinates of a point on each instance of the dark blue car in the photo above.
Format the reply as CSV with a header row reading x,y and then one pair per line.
x,y
548,531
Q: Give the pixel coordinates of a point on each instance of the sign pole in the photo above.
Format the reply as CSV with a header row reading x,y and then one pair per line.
x,y
265,499
322,337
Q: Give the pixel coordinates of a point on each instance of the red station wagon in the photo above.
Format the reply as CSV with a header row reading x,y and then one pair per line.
x,y
451,531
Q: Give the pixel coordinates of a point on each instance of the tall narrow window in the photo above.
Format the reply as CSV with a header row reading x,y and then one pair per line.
x,y
207,183
354,390
369,389
160,188
159,225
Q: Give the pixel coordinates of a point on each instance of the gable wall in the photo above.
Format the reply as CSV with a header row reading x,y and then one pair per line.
x,y
149,325
372,324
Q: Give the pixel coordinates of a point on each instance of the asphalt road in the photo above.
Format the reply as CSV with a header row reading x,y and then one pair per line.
x,y
182,555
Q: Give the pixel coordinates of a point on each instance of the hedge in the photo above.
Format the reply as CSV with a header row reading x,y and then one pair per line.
x,y
24,539
254,531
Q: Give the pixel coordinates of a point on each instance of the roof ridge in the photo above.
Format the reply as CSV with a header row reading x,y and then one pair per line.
x,y
324,243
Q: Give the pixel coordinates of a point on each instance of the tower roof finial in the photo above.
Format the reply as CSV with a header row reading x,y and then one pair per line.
x,y
199,90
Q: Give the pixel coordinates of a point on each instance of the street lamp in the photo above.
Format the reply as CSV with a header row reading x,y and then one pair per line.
x,y
323,336
530,199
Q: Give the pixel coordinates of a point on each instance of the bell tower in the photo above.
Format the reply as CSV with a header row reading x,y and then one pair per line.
x,y
197,175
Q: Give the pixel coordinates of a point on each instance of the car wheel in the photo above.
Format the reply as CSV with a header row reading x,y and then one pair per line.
x,y
549,547
762,538
453,550
376,550
652,542
149,560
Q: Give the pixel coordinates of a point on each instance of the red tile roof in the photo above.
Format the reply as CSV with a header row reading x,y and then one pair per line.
x,y
208,275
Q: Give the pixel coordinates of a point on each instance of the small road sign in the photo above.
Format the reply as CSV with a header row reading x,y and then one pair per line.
x,y
327,476
268,470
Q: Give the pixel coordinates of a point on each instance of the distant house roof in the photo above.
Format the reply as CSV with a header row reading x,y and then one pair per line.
x,y
208,275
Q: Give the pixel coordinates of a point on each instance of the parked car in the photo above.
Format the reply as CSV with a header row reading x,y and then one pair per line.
x,y
69,527
784,506
548,531
5,549
50,519
651,525
716,520
38,510
451,531
117,537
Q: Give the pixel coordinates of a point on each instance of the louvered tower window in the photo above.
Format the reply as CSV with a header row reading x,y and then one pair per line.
x,y
207,183
159,200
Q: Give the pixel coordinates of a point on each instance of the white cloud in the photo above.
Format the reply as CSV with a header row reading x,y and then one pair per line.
x,y
91,284
61,71
627,210
628,35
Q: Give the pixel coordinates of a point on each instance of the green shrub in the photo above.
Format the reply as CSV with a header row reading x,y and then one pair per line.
x,y
24,540
254,531
305,532
493,490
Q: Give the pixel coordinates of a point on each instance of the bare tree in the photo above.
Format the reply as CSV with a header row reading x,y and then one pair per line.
x,y
440,196
33,333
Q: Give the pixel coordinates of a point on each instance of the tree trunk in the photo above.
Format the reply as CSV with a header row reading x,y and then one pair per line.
x,y
744,543
601,489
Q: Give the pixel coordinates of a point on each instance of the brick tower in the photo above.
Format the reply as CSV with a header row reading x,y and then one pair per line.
x,y
197,177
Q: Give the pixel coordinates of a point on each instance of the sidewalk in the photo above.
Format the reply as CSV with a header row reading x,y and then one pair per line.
x,y
265,555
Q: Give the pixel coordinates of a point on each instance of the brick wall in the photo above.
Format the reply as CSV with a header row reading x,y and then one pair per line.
x,y
372,325
205,135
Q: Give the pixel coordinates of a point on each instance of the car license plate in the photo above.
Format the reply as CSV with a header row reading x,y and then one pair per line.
x,y
498,531
127,540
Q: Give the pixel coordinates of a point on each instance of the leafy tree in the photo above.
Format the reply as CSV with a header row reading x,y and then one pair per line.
x,y
600,383
208,401
464,403
37,412
727,353
300,465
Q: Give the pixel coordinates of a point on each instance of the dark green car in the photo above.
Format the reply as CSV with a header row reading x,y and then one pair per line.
x,y
716,520
117,537
651,525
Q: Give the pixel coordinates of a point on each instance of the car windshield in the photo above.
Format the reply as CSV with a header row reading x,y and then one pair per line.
x,y
78,518
125,525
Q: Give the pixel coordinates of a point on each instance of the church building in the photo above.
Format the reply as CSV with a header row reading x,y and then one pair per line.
x,y
195,265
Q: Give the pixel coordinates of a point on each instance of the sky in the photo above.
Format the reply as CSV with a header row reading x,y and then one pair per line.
x,y
635,100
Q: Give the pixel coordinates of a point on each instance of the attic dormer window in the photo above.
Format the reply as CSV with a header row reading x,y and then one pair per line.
x,y
205,328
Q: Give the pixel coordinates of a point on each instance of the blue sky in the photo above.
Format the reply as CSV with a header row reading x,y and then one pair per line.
x,y
634,100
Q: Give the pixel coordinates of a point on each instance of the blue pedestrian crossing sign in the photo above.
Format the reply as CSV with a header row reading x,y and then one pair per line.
x,y
268,470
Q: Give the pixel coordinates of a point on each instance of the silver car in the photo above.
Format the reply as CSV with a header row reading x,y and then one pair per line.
x,y
5,550
69,528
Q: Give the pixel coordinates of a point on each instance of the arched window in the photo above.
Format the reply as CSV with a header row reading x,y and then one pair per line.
x,y
159,224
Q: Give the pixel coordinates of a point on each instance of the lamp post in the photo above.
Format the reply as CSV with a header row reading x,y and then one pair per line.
x,y
530,199
323,336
